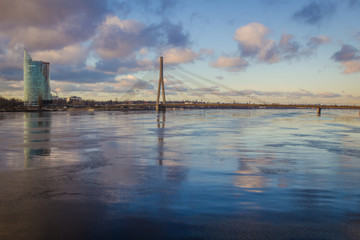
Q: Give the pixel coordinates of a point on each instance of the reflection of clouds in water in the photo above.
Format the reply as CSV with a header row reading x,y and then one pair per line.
x,y
251,183
256,174
244,167
211,169
10,159
246,177
139,160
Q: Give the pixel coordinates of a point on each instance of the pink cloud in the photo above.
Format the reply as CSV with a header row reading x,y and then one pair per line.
x,y
118,38
269,52
69,55
251,38
179,55
254,42
231,64
320,39
349,56
51,24
351,66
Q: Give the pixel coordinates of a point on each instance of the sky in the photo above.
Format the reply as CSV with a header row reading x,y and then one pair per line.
x,y
278,51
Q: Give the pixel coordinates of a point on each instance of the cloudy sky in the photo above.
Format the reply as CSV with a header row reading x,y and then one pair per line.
x,y
286,51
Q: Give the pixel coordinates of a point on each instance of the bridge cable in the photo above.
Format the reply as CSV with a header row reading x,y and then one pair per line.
x,y
131,93
221,85
191,79
194,92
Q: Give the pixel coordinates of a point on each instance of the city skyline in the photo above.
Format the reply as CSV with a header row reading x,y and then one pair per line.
x,y
278,51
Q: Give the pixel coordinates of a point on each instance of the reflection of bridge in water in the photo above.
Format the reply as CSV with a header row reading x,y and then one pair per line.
x,y
181,80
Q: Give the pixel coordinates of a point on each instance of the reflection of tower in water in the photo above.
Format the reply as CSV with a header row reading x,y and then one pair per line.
x,y
161,127
168,158
36,136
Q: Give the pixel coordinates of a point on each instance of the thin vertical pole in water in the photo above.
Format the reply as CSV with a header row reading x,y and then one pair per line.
x,y
319,111
161,86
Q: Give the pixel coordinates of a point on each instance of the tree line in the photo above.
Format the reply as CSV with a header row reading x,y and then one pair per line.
x,y
11,103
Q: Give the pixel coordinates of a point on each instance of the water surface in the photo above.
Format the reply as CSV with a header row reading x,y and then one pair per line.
x,y
197,174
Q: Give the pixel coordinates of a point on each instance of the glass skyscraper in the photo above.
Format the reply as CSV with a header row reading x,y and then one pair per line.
x,y
36,81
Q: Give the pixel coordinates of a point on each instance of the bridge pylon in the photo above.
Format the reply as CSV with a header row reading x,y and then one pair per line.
x,y
161,107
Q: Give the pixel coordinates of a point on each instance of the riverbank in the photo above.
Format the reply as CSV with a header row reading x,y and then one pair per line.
x,y
151,106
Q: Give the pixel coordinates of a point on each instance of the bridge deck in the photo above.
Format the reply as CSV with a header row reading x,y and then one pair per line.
x,y
151,106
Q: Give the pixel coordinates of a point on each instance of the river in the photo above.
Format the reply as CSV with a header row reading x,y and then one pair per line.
x,y
184,174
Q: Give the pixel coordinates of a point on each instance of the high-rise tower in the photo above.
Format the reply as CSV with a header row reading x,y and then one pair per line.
x,y
36,81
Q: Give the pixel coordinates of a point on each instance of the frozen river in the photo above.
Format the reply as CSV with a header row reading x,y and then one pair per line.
x,y
197,174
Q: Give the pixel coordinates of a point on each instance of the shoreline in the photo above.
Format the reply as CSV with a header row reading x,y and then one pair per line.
x,y
174,106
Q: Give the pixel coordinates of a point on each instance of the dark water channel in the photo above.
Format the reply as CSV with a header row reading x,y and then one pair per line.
x,y
199,174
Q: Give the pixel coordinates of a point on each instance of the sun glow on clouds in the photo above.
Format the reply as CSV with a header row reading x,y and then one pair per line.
x,y
349,56
231,64
122,85
175,56
72,55
251,38
351,66
118,38
254,43
89,49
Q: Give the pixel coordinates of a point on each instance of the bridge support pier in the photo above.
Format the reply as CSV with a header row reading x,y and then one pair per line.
x,y
160,107
319,111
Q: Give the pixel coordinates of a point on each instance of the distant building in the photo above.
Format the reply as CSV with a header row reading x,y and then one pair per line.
x,y
73,98
36,81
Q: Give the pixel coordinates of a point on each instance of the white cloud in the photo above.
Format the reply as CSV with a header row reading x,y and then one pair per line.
x,y
351,66
269,52
128,77
12,57
313,43
124,82
69,55
254,42
231,64
299,94
125,38
349,56
118,38
35,38
175,56
122,85
251,38
45,25
320,39
130,26
143,51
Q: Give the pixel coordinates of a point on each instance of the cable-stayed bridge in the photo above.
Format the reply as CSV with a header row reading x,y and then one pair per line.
x,y
180,88
182,85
